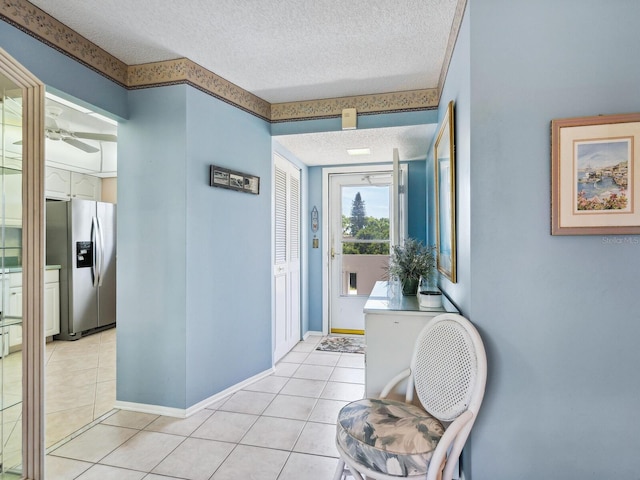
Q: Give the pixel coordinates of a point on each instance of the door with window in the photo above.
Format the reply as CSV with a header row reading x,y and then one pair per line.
x,y
361,221
286,254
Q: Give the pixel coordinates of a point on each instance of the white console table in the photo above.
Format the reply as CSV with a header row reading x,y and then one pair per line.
x,y
392,323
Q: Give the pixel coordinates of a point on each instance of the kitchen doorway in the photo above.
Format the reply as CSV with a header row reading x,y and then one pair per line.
x,y
80,222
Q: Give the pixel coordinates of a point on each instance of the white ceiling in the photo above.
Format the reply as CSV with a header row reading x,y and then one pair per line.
x,y
74,119
330,148
283,50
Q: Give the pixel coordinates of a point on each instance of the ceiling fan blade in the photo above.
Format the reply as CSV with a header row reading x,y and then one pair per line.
x,y
85,147
100,137
19,142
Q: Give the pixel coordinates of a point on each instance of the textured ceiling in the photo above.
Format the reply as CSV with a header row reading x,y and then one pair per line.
x,y
287,51
282,51
330,148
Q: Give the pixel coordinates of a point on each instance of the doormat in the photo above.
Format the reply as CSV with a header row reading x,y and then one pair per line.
x,y
342,345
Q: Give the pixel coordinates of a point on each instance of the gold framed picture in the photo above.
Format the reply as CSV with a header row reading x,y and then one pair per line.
x,y
595,189
445,181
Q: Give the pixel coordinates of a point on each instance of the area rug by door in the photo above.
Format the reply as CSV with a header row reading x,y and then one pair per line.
x,y
342,345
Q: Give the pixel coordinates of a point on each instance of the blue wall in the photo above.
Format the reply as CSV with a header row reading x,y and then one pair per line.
x,y
228,252
152,235
64,74
560,316
193,264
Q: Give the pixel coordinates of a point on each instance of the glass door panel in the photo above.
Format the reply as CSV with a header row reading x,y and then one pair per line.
x,y
360,225
365,237
11,280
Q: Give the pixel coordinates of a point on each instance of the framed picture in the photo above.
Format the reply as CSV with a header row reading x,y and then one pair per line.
x,y
445,180
232,180
594,186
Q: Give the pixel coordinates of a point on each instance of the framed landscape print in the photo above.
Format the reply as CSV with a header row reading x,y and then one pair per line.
x,y
595,188
445,181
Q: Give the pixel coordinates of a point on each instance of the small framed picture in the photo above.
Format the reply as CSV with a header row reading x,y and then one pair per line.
x,y
232,180
595,189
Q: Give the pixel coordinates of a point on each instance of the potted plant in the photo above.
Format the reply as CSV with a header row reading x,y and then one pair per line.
x,y
411,261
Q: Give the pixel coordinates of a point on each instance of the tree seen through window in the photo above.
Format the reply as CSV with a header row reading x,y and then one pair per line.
x,y
359,226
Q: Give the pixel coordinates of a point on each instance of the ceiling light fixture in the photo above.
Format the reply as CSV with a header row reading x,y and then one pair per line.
x,y
359,151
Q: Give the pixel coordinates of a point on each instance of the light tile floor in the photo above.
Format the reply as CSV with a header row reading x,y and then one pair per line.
x,y
79,388
80,383
279,428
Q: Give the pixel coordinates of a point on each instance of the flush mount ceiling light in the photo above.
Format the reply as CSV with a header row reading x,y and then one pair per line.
x,y
359,151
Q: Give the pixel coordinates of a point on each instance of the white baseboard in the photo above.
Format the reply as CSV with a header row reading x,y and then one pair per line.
x,y
187,412
310,333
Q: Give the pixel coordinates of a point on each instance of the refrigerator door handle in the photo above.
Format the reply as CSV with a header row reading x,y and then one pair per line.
x,y
101,252
94,241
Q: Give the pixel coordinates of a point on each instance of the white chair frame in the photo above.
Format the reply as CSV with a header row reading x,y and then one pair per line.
x,y
447,452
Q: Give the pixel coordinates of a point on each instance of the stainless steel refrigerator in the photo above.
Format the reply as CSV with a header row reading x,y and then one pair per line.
x,y
81,238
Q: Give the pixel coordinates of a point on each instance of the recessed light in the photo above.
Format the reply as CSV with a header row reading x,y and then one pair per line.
x,y
359,151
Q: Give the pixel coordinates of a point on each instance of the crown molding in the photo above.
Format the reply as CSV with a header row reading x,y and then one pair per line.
x,y
42,26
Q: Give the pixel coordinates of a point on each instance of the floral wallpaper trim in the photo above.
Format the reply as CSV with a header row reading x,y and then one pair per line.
x,y
183,70
40,25
453,38
376,103
35,22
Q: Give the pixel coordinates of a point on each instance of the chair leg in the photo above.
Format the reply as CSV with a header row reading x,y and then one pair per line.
x,y
339,475
344,471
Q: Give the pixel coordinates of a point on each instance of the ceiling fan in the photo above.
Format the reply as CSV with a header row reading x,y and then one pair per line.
x,y
54,131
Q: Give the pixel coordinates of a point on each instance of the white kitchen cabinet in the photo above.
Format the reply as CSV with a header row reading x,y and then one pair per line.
x,y
51,305
86,187
391,327
12,197
57,183
63,185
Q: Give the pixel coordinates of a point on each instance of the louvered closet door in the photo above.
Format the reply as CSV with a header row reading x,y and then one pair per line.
x,y
286,256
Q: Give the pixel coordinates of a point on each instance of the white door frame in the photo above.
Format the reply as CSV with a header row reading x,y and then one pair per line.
x,y
386,167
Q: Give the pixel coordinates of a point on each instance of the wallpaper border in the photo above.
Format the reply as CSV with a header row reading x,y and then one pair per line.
x,y
38,24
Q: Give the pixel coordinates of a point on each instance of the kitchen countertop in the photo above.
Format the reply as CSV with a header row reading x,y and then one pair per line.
x,y
19,269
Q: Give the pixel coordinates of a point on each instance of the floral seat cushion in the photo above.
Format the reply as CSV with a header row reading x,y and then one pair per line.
x,y
386,436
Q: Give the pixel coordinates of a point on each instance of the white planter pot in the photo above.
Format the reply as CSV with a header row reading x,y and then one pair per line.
x,y
430,299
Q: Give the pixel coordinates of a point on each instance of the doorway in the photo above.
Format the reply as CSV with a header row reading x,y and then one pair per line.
x,y
23,154
80,190
361,208
286,257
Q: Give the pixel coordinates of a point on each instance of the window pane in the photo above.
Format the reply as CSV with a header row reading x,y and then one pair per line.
x,y
365,212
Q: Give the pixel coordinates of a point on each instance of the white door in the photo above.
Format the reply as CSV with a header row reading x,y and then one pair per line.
x,y
286,255
360,226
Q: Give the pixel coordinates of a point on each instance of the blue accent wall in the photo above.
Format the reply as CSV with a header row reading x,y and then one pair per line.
x,y
315,254
152,256
63,73
194,269
559,314
228,248
416,205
